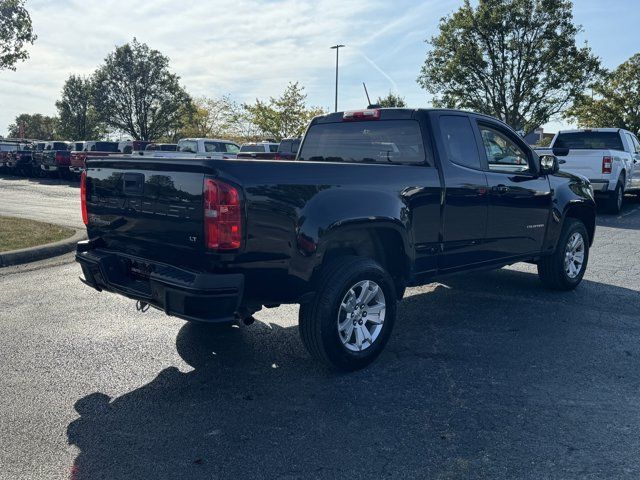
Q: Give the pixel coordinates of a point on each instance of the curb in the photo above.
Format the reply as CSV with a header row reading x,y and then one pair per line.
x,y
31,254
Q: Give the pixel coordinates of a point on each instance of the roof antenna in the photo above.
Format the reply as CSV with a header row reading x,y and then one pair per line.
x,y
366,93
371,105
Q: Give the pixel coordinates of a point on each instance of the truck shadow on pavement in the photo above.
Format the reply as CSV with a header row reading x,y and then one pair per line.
x,y
486,375
627,219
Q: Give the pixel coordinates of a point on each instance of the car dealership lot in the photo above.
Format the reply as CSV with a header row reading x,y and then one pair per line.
x,y
486,376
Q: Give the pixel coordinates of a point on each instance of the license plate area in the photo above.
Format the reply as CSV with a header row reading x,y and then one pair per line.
x,y
138,270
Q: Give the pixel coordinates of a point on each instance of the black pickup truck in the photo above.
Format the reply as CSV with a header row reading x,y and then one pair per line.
x,y
376,200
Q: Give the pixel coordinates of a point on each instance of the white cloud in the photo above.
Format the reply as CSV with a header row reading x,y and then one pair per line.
x,y
247,48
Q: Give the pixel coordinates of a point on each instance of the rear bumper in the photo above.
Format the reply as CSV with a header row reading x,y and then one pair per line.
x,y
186,294
49,168
599,186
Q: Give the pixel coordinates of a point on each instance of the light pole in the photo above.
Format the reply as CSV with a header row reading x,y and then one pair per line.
x,y
337,49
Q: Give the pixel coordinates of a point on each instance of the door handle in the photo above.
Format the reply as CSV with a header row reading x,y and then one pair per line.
x,y
500,188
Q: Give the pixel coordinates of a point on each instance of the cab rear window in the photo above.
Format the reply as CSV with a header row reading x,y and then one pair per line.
x,y
106,147
589,141
252,148
382,141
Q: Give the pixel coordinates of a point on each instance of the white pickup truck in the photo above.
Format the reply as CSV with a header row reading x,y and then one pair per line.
x,y
206,148
608,157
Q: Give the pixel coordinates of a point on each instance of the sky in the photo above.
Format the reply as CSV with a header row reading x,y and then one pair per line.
x,y
252,48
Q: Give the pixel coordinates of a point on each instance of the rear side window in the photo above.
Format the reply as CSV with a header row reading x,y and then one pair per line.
x,y
187,146
589,141
633,143
295,145
212,147
285,146
289,146
231,147
459,141
273,148
381,141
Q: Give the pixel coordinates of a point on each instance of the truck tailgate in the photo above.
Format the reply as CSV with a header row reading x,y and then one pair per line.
x,y
587,163
148,208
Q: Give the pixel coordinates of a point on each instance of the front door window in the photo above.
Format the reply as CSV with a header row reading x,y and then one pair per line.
x,y
503,155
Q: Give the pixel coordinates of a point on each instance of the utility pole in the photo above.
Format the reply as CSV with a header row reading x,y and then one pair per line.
x,y
337,49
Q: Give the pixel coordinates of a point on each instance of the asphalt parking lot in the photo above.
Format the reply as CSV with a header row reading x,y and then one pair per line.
x,y
43,199
486,376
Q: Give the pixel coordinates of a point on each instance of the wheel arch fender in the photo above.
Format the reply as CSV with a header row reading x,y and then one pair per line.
x,y
570,200
384,240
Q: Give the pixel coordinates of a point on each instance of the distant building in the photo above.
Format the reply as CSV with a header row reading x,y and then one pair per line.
x,y
538,137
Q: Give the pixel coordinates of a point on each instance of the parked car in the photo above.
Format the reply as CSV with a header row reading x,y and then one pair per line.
x,y
92,149
377,200
139,147
56,157
288,149
161,150
608,157
258,151
125,146
7,150
207,148
22,162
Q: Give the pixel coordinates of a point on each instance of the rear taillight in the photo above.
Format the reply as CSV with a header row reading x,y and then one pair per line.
x,y
83,197
356,115
607,162
277,157
222,216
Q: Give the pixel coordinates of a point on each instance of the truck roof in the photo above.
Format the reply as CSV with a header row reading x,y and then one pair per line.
x,y
393,113
196,139
581,130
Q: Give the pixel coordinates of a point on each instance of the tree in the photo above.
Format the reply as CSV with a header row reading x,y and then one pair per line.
x,y
16,32
34,126
134,92
209,117
513,59
614,100
392,100
218,117
78,118
283,117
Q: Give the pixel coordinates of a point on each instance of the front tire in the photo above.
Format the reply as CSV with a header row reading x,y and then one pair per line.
x,y
350,319
565,268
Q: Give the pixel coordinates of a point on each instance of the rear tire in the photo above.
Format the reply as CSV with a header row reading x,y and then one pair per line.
x,y
616,199
565,268
349,321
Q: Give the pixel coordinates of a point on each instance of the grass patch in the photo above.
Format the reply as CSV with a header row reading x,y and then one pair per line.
x,y
18,233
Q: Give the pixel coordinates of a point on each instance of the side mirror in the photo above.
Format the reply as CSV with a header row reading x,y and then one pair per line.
x,y
549,164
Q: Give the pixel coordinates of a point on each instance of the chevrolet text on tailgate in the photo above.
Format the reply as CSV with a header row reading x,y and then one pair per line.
x,y
376,200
